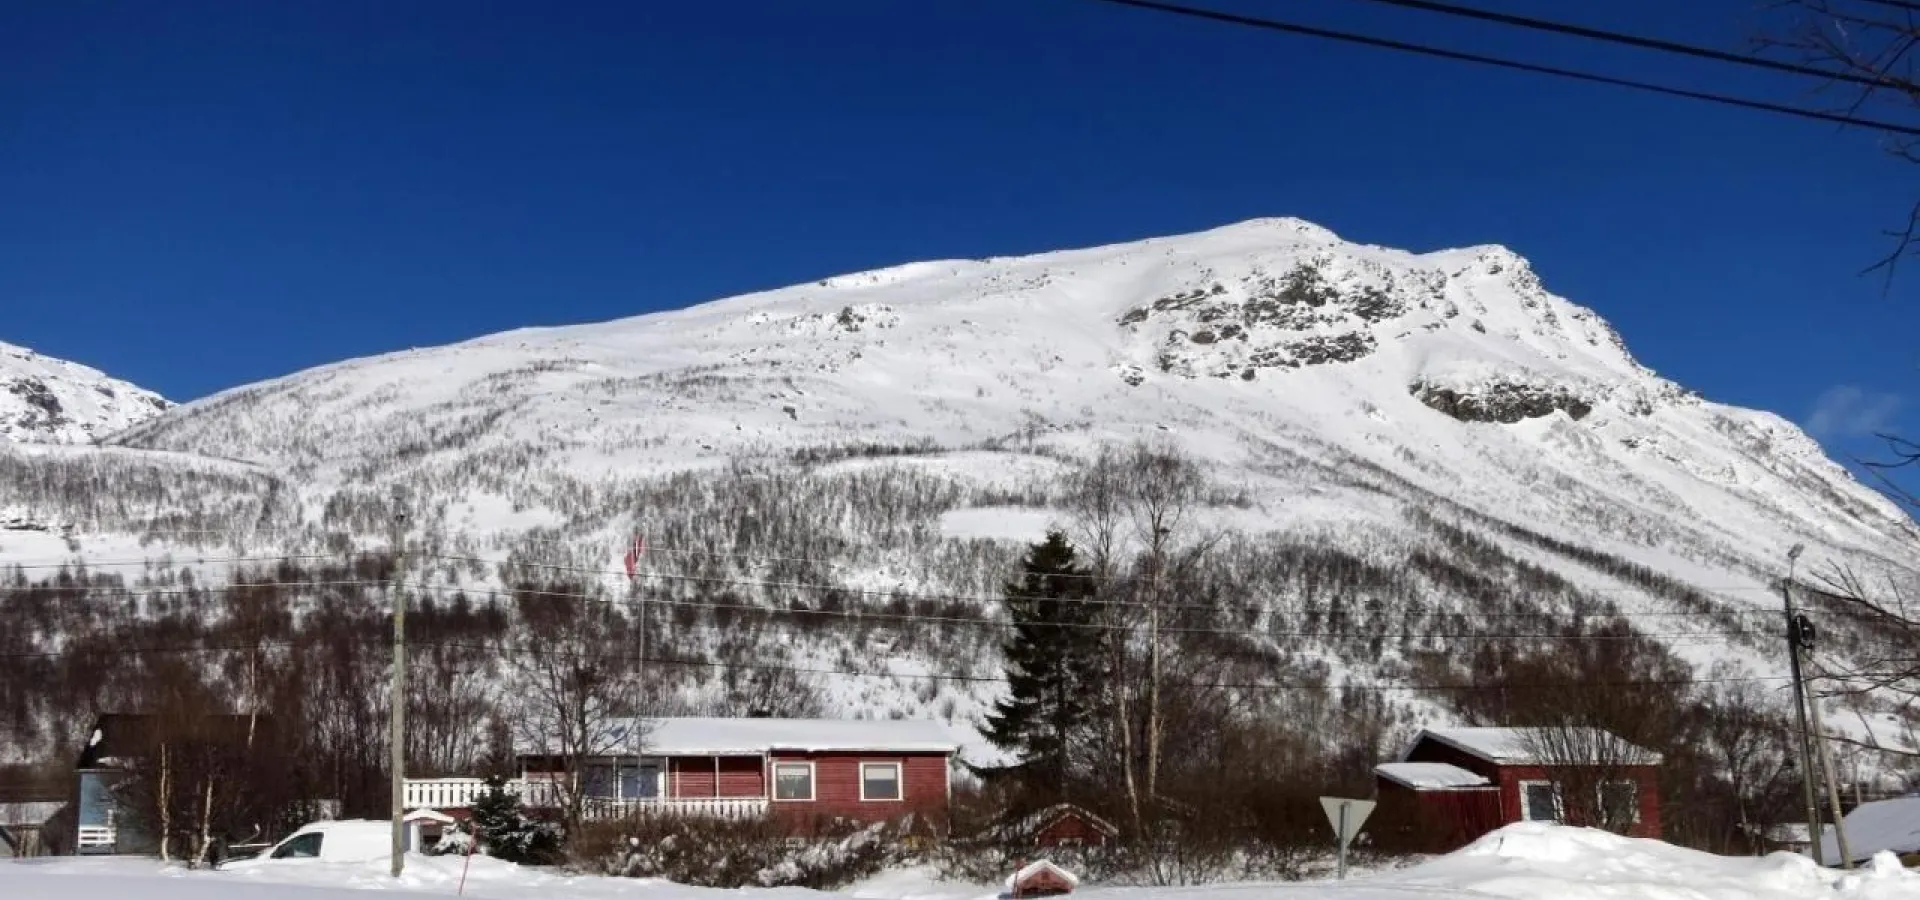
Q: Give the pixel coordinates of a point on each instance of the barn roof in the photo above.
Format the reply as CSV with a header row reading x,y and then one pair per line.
x,y
1040,820
1430,776
1541,746
703,736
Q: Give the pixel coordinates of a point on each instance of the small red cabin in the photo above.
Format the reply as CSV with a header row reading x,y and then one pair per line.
x,y
1041,879
1453,785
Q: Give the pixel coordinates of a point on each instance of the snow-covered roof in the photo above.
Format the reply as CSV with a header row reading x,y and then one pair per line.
x,y
1872,827
1038,866
1430,776
700,736
1058,811
33,813
1541,746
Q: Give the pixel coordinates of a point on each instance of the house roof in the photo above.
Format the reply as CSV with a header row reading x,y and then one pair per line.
x,y
1430,776
1040,820
1541,746
1041,866
700,736
1872,827
15,814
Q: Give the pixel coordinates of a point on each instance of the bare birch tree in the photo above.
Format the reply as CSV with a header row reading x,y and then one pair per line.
x,y
580,682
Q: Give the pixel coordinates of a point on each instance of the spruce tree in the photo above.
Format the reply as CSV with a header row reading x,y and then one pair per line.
x,y
1055,667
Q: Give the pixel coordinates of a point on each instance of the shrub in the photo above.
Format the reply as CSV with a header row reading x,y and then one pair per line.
x,y
748,853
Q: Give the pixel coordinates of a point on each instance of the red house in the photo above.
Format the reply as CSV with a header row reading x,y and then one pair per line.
x,y
1453,785
798,770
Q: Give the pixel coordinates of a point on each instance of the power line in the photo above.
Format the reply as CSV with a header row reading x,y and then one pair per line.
x,y
1501,62
1631,40
73,592
854,617
497,650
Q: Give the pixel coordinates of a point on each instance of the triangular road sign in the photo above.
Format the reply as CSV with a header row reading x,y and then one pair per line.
x,y
1347,825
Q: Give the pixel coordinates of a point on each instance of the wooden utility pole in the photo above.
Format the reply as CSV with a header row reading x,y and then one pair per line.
x,y
397,725
1800,710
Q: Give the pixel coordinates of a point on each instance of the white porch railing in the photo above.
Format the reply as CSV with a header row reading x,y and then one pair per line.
x,y
458,793
94,837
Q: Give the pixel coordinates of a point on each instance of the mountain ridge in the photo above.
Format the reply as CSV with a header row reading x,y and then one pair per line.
x,y
49,400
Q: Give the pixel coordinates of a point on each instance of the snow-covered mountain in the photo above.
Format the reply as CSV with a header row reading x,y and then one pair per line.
x,y
47,400
902,429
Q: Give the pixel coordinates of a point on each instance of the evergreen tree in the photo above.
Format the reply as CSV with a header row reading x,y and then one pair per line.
x,y
506,832
1055,667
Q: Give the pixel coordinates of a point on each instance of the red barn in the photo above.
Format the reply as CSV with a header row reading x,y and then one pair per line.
x,y
801,771
1065,825
1453,785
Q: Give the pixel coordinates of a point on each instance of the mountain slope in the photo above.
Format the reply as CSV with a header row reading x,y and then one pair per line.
x,y
1260,345
47,400
1417,440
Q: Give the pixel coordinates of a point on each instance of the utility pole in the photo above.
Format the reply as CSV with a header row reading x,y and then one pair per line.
x,y
1800,636
397,726
1800,708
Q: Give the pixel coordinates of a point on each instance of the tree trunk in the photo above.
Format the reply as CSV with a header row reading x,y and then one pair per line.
x,y
166,813
206,826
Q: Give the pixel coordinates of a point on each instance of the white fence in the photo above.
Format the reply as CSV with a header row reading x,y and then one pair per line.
x,y
94,837
456,793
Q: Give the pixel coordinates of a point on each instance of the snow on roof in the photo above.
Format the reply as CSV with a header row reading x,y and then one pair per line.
x,y
1038,866
1872,827
1059,811
33,813
1531,746
1428,776
694,736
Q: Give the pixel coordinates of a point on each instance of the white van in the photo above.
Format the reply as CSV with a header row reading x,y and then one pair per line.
x,y
348,840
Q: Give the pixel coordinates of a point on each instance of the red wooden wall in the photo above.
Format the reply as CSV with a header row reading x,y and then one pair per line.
x,y
836,787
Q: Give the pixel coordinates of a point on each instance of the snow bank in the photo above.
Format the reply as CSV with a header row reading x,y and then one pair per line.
x,y
1523,862
1532,860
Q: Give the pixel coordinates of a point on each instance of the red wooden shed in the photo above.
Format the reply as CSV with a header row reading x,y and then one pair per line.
x,y
1453,785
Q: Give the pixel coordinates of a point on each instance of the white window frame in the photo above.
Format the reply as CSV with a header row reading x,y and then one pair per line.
x,y
899,781
1526,805
1600,797
813,781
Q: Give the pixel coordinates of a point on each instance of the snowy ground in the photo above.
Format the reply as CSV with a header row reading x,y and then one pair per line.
x,y
1521,862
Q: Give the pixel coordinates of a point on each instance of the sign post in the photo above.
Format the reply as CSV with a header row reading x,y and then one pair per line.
x,y
1346,816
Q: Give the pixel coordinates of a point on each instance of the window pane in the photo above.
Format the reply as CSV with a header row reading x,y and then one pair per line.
x,y
642,782
599,781
793,781
880,781
306,846
1540,803
1620,802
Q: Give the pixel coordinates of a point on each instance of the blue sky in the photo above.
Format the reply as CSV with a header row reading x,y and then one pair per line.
x,y
198,195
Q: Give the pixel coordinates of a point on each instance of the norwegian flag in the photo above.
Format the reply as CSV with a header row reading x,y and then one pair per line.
x,y
635,550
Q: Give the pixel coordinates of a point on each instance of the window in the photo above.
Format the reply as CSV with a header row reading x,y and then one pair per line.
x,y
598,782
306,846
879,781
1620,802
640,782
1539,801
793,781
